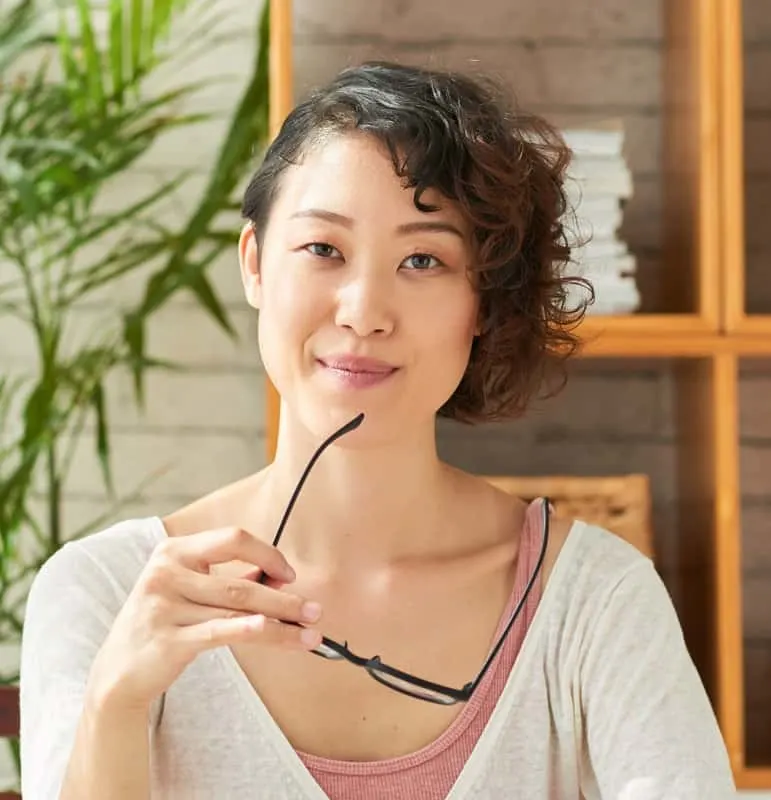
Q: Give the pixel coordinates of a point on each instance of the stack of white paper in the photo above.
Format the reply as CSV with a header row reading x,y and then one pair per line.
x,y
598,182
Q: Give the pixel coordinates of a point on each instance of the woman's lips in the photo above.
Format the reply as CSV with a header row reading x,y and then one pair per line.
x,y
357,372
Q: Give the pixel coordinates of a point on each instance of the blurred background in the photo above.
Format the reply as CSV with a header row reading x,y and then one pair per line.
x,y
130,379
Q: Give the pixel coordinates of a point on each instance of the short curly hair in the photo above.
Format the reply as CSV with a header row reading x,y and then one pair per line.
x,y
506,170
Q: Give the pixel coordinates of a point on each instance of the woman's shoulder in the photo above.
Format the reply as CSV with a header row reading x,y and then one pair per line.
x,y
590,563
108,560
592,546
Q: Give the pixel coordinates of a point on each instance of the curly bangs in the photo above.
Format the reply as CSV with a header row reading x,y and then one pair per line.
x,y
505,170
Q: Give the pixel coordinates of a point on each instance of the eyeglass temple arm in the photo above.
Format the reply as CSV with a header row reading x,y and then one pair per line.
x,y
347,428
531,582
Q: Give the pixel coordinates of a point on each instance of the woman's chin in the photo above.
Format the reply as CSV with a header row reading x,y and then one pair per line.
x,y
377,426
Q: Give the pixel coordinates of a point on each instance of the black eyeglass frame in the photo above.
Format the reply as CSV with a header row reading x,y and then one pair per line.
x,y
442,695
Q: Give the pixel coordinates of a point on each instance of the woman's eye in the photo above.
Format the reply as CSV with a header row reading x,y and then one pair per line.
x,y
323,250
422,261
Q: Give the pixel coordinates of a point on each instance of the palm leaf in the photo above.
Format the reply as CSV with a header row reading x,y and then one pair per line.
x,y
116,48
20,31
248,130
102,438
92,58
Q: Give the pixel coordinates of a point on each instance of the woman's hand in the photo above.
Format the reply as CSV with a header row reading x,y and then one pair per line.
x,y
179,608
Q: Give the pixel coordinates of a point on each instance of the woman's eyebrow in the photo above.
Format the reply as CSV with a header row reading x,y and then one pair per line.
x,y
405,228
320,213
430,225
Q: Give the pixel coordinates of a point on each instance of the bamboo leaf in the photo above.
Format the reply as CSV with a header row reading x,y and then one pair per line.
x,y
102,436
248,128
200,286
134,337
92,57
37,413
127,254
116,48
20,31
135,28
69,63
115,264
161,18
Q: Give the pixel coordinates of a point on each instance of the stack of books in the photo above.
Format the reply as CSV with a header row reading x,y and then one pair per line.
x,y
598,183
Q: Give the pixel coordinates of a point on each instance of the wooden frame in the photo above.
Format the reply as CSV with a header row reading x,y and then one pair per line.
x,y
742,328
733,280
729,643
281,101
704,162
691,167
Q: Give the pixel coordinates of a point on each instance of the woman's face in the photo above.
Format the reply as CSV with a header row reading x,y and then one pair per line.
x,y
365,302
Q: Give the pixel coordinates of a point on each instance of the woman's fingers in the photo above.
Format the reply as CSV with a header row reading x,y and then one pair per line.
x,y
200,551
253,628
180,606
238,594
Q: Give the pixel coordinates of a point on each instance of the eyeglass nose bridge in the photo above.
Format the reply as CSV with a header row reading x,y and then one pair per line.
x,y
393,678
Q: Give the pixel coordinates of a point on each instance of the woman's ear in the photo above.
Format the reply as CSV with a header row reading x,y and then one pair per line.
x,y
249,260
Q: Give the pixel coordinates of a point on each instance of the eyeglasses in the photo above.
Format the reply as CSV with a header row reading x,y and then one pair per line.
x,y
389,676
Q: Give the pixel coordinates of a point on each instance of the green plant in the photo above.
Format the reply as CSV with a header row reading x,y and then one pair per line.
x,y
63,138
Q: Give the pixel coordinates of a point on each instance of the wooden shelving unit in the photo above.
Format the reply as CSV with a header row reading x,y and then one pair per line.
x,y
736,319
751,335
703,110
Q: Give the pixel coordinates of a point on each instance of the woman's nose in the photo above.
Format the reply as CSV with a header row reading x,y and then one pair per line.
x,y
364,306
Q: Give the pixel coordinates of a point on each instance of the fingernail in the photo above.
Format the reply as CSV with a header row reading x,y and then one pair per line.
x,y
310,638
256,622
289,573
311,611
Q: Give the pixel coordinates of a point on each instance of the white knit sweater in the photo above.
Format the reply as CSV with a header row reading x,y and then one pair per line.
x,y
603,702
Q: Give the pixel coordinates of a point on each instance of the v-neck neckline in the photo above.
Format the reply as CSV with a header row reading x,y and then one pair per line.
x,y
294,764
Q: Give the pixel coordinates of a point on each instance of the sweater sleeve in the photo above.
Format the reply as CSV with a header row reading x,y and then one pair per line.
x,y
649,730
70,609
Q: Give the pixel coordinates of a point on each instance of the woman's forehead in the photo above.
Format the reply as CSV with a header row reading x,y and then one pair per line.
x,y
353,175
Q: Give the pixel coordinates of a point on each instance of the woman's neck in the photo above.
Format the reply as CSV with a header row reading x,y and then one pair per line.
x,y
361,507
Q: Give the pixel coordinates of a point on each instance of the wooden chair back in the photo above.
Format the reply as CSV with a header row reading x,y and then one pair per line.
x,y
619,503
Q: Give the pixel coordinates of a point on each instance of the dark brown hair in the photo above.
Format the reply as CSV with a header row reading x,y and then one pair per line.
x,y
506,170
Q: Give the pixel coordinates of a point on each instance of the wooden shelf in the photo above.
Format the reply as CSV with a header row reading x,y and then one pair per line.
x,y
610,343
747,344
619,345
646,335
752,324
656,325
753,777
705,255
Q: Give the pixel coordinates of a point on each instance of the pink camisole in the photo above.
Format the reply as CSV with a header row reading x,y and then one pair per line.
x,y
429,773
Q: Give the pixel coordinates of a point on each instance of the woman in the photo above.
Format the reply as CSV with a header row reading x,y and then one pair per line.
x,y
404,248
